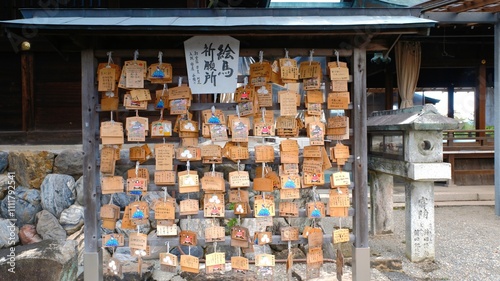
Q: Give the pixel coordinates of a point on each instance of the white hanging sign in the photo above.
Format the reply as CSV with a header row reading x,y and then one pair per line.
x,y
212,63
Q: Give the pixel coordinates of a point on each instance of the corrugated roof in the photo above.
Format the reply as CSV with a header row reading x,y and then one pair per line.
x,y
244,19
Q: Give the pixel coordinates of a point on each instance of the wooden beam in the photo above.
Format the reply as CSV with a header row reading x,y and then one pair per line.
x,y
491,9
90,144
469,5
28,96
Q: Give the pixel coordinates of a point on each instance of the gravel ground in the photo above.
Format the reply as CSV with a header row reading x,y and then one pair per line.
x,y
467,246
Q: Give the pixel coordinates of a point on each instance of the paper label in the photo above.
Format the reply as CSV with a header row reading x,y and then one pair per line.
x,y
341,179
340,235
215,259
166,230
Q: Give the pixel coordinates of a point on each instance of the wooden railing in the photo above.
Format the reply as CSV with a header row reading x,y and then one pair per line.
x,y
471,154
468,140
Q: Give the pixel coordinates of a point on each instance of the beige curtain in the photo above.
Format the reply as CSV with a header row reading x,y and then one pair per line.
x,y
408,56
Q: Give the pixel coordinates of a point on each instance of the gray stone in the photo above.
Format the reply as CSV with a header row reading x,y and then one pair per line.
x,y
381,196
31,167
196,251
420,233
58,193
48,226
197,225
155,250
143,228
227,249
283,255
72,219
9,233
300,223
47,260
252,225
121,199
28,234
69,162
79,191
27,205
5,182
123,254
4,161
130,272
262,249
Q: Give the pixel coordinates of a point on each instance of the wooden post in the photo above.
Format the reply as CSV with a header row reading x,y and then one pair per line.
x,y
497,114
28,97
361,248
451,101
90,141
480,100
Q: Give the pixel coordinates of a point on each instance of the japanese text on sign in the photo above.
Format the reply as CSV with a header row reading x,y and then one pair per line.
x,y
212,63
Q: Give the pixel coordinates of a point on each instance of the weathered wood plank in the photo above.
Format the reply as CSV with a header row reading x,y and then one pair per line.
x,y
361,247
90,149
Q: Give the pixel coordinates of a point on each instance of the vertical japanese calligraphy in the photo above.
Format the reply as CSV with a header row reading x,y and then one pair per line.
x,y
212,63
